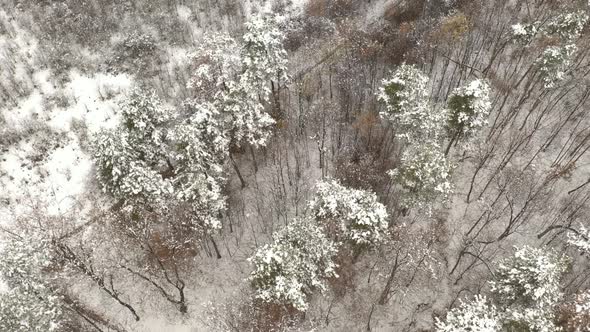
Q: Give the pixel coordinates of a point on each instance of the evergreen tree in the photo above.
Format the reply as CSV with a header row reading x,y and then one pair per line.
x,y
294,265
355,216
30,304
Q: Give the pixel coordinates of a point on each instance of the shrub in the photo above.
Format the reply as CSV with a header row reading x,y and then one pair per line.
x,y
455,26
332,9
405,11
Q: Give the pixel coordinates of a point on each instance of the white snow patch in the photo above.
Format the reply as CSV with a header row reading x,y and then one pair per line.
x,y
184,12
68,169
42,79
19,115
95,101
55,185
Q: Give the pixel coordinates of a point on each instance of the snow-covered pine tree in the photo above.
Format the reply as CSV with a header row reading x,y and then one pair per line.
x,y
555,62
424,174
200,149
556,59
567,26
154,158
407,105
352,215
525,293
235,77
30,304
131,157
526,288
478,315
468,110
524,33
297,263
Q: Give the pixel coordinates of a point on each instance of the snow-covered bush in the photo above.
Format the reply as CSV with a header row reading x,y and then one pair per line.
x,y
469,107
137,52
478,315
555,62
424,173
29,304
407,104
527,288
524,33
357,215
137,44
294,265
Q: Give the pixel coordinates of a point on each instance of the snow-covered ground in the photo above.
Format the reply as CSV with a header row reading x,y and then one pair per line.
x,y
48,166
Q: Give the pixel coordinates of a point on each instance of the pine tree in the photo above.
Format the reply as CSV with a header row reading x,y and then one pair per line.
x,y
527,288
131,157
355,215
407,105
424,174
200,149
526,292
294,265
235,77
468,109
30,304
154,159
555,60
478,315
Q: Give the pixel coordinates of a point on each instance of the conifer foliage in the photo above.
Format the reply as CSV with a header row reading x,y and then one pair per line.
x,y
153,158
235,76
478,315
526,291
158,155
294,265
356,215
527,287
468,109
29,304
407,105
555,60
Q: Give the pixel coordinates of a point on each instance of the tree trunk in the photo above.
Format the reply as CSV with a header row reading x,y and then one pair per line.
x,y
233,162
